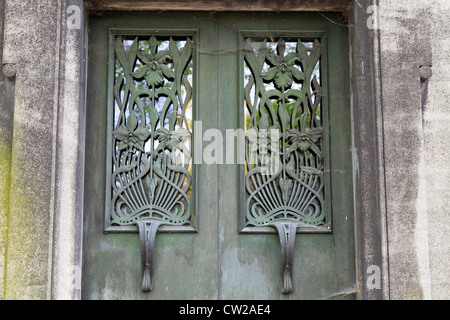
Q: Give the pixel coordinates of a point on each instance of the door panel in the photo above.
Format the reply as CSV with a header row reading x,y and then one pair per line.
x,y
218,261
184,262
323,263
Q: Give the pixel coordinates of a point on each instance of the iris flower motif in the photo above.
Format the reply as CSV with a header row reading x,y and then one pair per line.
x,y
155,65
173,139
304,139
131,135
283,71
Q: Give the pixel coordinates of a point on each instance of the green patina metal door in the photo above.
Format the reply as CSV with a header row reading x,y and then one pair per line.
x,y
218,157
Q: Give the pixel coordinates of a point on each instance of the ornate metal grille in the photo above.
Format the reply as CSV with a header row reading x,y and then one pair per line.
x,y
284,168
284,172
151,169
151,159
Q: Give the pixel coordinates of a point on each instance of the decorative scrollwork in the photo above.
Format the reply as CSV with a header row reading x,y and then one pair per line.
x,y
284,177
151,176
284,158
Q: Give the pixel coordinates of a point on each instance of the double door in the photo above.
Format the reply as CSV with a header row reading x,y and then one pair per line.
x,y
218,157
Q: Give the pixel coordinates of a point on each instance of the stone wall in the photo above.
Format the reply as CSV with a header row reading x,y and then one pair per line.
x,y
43,196
415,35
31,44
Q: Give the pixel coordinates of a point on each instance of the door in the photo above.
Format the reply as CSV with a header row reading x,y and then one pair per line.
x,y
218,157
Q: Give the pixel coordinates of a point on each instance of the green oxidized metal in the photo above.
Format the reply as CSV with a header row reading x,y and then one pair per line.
x,y
151,178
284,168
284,177
151,157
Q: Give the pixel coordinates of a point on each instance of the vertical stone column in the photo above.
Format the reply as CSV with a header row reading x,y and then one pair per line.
x,y
434,175
46,158
414,52
69,161
404,48
6,119
368,157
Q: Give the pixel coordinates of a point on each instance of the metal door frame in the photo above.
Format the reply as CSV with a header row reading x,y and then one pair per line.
x,y
368,144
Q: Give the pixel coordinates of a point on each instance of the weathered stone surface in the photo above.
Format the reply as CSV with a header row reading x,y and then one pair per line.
x,y
44,242
69,161
31,44
218,5
417,178
434,170
5,163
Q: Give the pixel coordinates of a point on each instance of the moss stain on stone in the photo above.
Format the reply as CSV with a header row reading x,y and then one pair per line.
x,y
25,245
5,177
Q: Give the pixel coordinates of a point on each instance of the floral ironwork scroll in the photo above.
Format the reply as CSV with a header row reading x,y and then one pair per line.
x,y
284,159
151,139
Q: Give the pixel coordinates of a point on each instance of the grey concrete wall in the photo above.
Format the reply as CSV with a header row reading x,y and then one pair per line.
x,y
31,43
43,222
5,160
416,140
434,190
